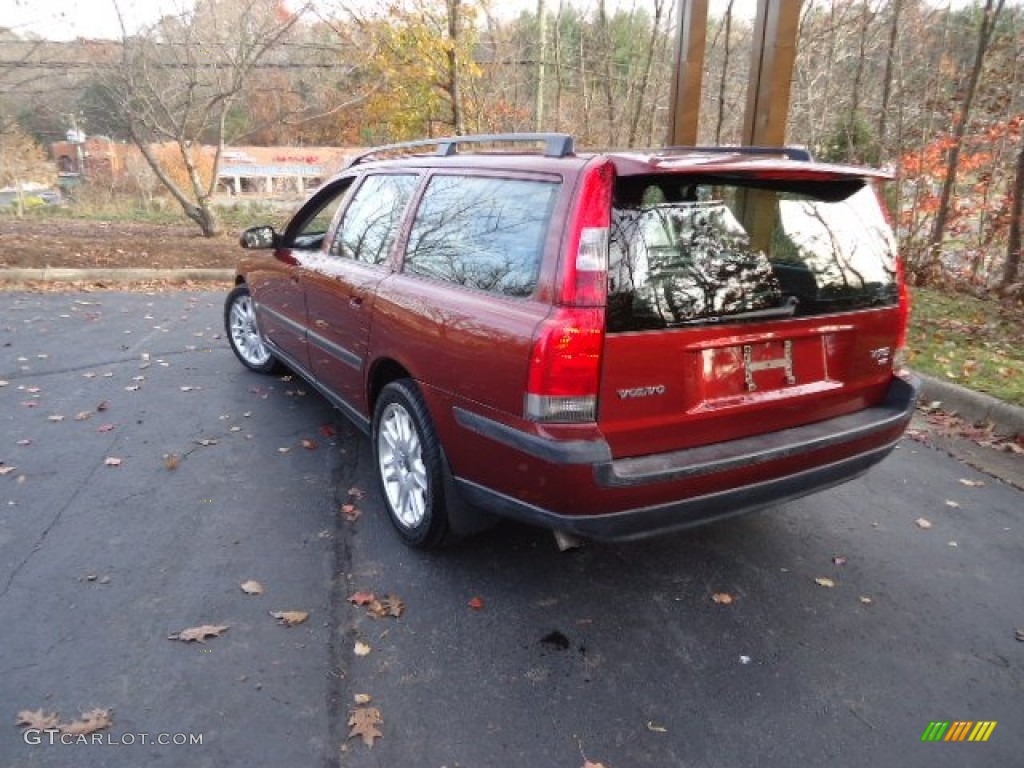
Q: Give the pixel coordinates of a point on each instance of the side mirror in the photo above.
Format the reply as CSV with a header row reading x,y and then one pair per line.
x,y
259,237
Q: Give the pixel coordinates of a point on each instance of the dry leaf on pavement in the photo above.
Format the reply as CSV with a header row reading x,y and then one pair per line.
x,y
350,512
362,649
476,603
390,606
364,722
722,598
923,523
89,722
5,470
362,598
290,618
823,582
198,634
971,483
251,587
112,461
38,719
309,445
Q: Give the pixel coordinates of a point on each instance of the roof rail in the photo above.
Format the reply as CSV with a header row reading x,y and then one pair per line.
x,y
555,144
792,153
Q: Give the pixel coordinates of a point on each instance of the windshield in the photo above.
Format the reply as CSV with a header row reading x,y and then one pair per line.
x,y
711,252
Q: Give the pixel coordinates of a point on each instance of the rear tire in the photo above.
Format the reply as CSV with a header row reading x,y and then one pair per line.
x,y
410,466
244,334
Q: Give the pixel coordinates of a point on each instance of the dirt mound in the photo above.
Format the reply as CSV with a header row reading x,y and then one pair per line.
x,y
77,243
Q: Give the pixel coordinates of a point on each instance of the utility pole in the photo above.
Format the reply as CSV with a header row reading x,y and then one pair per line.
x,y
542,55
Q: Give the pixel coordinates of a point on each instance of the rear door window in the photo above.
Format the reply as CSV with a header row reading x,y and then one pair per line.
x,y
483,233
710,252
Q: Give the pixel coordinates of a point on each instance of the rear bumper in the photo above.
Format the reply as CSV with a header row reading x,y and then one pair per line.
x,y
879,428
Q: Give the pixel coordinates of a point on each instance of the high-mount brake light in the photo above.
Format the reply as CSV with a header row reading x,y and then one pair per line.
x,y
565,365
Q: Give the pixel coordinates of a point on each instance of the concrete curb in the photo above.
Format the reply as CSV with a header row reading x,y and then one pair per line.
x,y
976,407
65,275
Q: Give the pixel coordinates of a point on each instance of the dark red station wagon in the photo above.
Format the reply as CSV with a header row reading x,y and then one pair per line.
x,y
609,344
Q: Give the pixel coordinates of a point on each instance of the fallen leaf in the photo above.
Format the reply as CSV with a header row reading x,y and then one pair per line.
x,y
362,598
364,722
839,560
722,598
171,461
309,445
588,764
55,417
952,504
362,698
38,719
328,430
476,603
30,403
656,728
83,415
923,523
112,461
824,582
5,470
350,512
283,450
105,428
132,388
1019,635
971,483
356,493
865,600
290,618
206,442
953,544
361,648
198,634
187,388
89,722
103,406
390,606
25,442
251,587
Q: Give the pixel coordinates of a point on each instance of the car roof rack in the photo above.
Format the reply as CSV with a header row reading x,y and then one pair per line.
x,y
792,153
555,144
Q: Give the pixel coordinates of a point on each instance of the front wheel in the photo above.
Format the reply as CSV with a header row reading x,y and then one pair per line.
x,y
244,334
410,467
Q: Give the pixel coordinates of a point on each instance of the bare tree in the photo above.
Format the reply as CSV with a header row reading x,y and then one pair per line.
x,y
990,15
177,83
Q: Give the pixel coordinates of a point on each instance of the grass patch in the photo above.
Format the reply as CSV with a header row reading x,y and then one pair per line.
x,y
968,341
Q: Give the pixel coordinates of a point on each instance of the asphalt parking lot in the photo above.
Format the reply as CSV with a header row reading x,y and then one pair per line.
x,y
146,475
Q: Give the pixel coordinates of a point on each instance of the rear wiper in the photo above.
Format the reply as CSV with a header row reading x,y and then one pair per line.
x,y
787,309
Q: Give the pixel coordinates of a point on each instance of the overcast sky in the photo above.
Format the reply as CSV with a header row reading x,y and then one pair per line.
x,y
68,19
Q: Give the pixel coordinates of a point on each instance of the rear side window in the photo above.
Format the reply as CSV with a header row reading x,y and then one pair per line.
x,y
707,252
370,223
483,233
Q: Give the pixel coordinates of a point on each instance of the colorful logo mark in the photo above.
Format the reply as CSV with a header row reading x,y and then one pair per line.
x,y
958,730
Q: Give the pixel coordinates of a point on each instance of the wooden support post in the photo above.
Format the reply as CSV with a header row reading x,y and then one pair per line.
x,y
688,75
771,72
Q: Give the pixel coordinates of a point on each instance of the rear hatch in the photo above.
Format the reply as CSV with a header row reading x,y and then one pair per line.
x,y
744,303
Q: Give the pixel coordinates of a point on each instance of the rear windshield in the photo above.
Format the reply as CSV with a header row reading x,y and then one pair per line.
x,y
713,251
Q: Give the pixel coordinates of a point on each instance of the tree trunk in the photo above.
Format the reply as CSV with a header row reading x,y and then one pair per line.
x,y
985,29
458,122
726,55
542,55
890,63
1011,267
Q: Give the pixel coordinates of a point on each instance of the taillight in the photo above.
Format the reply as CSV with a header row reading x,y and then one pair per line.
x,y
899,359
565,364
